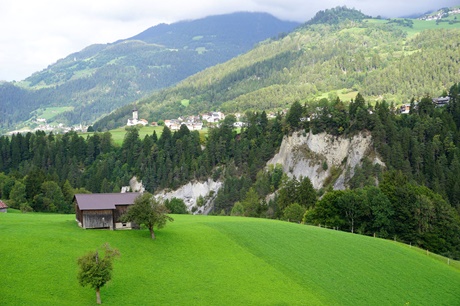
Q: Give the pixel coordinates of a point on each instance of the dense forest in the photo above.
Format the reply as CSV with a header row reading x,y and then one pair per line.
x,y
414,199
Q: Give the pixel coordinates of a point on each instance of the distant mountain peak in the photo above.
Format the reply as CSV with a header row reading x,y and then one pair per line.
x,y
219,25
336,15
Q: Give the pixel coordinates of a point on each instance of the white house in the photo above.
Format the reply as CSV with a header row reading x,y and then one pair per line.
x,y
213,117
194,126
404,109
173,124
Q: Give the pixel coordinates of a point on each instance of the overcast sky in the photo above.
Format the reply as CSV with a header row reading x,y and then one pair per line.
x,y
36,33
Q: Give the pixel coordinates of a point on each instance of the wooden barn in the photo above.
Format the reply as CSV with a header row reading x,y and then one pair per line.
x,y
103,210
3,207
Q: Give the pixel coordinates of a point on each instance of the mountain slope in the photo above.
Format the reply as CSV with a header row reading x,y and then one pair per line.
x,y
383,59
101,78
219,260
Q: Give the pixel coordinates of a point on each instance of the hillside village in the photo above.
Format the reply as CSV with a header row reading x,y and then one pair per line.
x,y
197,122
441,14
193,122
438,102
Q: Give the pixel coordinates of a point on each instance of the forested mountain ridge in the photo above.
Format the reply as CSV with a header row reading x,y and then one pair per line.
x,y
395,59
337,15
101,78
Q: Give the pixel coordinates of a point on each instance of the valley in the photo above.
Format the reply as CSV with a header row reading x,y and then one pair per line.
x,y
312,163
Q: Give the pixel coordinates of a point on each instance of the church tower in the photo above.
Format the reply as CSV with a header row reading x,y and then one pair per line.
x,y
135,115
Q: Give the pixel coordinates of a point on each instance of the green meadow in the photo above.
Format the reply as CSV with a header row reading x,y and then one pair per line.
x,y
118,135
50,112
419,25
343,94
213,260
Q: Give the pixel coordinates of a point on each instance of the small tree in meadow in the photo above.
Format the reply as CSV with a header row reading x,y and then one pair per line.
x,y
176,206
96,270
147,211
294,213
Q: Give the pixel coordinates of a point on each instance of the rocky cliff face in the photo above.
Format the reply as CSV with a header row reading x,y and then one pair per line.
x,y
323,157
191,192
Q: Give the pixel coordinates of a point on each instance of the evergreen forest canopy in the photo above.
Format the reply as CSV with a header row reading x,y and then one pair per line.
x,y
414,199
101,78
338,53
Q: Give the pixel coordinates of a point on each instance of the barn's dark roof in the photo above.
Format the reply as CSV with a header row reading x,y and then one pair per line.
x,y
2,204
96,201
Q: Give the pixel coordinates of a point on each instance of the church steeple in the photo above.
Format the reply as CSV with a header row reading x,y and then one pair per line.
x,y
135,114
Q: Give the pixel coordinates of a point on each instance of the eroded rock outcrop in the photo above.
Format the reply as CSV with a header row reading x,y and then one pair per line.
x,y
322,156
191,192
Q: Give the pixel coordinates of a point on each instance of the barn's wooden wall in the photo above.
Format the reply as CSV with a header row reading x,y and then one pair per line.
x,y
98,219
78,213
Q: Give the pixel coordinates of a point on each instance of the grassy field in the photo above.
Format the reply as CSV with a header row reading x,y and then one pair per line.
x,y
51,112
419,25
207,260
118,135
344,94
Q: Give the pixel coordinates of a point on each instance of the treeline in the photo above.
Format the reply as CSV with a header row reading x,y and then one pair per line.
x,y
31,163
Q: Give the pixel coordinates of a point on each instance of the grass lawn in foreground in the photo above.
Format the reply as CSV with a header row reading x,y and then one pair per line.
x,y
211,260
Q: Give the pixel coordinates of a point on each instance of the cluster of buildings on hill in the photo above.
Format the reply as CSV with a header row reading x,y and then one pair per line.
x,y
193,123
441,14
438,102
57,128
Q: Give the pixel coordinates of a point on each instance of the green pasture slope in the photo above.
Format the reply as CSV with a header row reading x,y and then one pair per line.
x,y
211,260
419,25
118,135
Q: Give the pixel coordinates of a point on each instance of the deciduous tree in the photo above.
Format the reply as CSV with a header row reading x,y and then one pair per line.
x,y
176,206
294,212
96,270
148,211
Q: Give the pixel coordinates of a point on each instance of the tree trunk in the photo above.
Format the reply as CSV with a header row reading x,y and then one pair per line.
x,y
152,233
98,296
